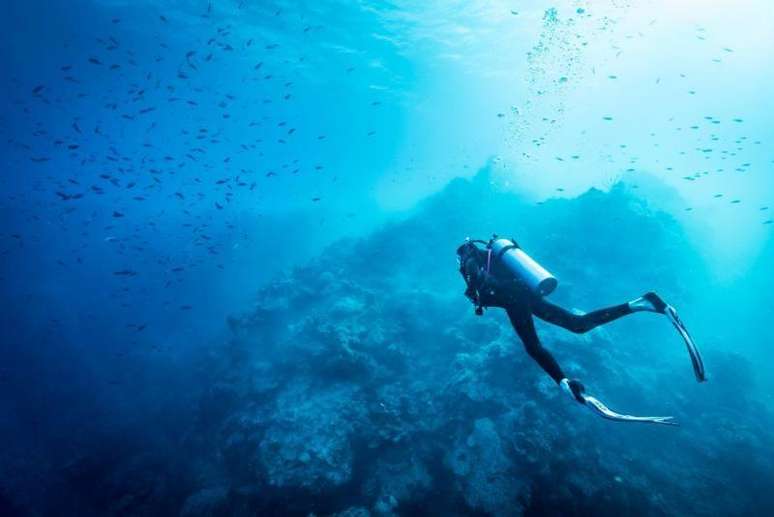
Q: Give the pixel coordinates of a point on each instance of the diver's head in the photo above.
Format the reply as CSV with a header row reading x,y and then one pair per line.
x,y
465,250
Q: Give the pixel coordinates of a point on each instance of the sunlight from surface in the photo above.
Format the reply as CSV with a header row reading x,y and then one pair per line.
x,y
584,93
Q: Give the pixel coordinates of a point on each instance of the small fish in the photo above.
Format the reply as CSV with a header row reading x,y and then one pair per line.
x,y
68,197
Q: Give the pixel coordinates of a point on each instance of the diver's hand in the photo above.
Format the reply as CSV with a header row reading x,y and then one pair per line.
x,y
471,294
574,388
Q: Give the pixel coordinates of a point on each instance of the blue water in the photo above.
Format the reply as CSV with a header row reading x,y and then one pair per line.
x,y
227,242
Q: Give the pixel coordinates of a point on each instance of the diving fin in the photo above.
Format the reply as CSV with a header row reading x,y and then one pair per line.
x,y
693,351
605,412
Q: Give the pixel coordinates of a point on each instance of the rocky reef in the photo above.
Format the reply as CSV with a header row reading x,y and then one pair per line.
x,y
362,384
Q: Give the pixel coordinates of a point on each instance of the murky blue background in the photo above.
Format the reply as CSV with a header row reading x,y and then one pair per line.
x,y
227,241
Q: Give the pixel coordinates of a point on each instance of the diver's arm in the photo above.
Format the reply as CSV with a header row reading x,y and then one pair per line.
x,y
476,278
470,272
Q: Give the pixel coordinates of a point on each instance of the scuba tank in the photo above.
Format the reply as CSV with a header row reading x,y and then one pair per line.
x,y
506,254
522,266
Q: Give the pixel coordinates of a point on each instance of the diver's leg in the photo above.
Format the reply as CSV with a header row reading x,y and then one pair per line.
x,y
578,323
521,319
649,301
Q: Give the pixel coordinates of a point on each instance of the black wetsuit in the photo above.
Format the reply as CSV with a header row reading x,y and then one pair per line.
x,y
495,289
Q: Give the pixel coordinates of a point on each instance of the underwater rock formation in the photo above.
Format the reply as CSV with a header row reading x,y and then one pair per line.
x,y
362,383
306,443
484,472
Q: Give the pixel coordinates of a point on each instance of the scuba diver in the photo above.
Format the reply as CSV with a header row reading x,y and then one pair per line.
x,y
499,274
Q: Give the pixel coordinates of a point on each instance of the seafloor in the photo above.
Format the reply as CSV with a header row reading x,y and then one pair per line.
x,y
362,384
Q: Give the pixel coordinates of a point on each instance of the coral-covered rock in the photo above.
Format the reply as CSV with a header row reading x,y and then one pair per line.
x,y
362,384
209,502
397,476
485,473
307,442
